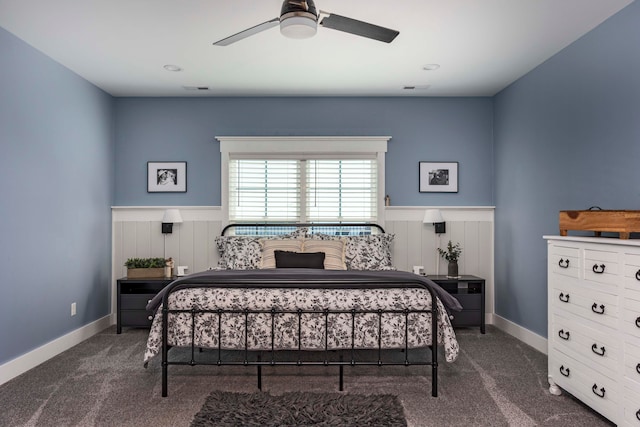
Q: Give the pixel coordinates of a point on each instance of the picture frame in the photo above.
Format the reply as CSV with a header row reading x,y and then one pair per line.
x,y
438,177
166,177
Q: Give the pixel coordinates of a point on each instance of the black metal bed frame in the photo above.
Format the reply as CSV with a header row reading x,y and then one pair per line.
x,y
257,283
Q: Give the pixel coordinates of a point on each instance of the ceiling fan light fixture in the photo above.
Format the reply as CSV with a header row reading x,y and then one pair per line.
x,y
300,26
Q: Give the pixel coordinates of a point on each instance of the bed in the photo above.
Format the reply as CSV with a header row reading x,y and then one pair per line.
x,y
303,294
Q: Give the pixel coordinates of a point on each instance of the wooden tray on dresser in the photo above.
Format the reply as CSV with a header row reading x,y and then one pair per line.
x,y
599,221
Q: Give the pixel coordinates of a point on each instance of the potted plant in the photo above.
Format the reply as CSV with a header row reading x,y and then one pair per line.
x,y
451,254
145,268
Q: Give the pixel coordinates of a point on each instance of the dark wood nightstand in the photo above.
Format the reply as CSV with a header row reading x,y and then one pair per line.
x,y
469,290
133,297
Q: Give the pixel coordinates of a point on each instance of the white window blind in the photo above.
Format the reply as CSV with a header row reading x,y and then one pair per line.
x,y
264,190
341,190
303,190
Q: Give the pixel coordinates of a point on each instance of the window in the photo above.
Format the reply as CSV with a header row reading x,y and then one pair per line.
x,y
302,179
331,191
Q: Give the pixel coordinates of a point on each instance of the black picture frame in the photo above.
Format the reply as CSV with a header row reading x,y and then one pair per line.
x,y
438,177
166,177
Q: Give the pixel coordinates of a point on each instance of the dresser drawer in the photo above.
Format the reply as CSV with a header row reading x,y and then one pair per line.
x,y
599,307
632,281
596,390
631,317
602,267
632,363
631,406
565,260
586,344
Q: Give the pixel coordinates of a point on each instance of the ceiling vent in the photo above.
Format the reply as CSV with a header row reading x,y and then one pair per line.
x,y
195,87
418,87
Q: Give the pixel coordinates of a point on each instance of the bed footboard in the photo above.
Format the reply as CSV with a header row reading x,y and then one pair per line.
x,y
299,356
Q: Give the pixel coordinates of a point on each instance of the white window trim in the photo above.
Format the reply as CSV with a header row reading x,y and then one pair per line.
x,y
312,146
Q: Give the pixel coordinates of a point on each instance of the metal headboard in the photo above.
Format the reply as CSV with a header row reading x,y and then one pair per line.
x,y
333,228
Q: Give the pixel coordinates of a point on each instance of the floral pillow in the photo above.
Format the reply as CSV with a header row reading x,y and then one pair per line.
x,y
365,252
238,252
369,252
245,252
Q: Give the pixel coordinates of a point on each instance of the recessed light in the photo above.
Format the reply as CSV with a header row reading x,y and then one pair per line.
x,y
431,67
171,67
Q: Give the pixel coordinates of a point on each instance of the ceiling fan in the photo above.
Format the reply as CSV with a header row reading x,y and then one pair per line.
x,y
299,20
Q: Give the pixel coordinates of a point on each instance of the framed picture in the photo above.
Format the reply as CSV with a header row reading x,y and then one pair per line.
x,y
166,177
438,177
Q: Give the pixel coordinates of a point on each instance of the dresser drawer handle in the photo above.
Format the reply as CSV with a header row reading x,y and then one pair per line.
x,y
150,318
598,269
638,322
564,335
599,393
600,352
638,414
596,309
638,275
563,297
564,263
638,368
565,371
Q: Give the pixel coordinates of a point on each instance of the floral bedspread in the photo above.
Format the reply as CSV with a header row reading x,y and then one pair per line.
x,y
312,333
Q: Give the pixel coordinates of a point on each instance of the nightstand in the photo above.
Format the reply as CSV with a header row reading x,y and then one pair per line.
x,y
469,290
133,297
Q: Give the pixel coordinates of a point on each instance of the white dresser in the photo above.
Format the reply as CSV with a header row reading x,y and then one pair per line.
x,y
594,323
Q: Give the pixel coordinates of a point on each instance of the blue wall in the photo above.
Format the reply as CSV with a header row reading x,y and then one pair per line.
x,y
567,136
56,167
433,129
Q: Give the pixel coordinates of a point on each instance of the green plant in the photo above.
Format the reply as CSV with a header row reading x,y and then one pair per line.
x,y
145,263
452,253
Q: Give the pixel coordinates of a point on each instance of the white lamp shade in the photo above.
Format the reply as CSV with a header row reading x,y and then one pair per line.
x,y
432,216
172,215
298,27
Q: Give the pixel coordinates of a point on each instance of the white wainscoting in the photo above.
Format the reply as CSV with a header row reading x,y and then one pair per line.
x,y
137,234
415,243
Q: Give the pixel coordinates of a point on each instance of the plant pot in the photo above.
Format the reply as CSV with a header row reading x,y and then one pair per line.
x,y
145,273
452,269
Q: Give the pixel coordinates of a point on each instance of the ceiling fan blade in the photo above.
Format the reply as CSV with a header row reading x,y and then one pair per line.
x,y
359,28
248,32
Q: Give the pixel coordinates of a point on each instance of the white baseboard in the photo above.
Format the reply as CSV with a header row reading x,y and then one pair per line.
x,y
30,360
526,336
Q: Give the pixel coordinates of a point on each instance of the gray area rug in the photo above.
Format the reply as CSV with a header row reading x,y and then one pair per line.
x,y
299,409
496,381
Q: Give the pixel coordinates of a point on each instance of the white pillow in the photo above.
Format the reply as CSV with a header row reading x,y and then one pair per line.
x,y
333,252
270,245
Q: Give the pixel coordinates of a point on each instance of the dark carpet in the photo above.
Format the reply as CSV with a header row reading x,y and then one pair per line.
x,y
496,381
299,409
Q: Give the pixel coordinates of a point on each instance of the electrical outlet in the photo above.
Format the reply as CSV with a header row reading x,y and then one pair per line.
x,y
73,308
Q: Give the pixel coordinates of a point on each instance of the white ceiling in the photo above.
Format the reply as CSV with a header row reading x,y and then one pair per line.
x,y
481,45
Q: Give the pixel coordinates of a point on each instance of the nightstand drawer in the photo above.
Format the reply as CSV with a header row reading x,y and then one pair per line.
x,y
135,301
136,318
470,301
133,297
467,318
469,291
